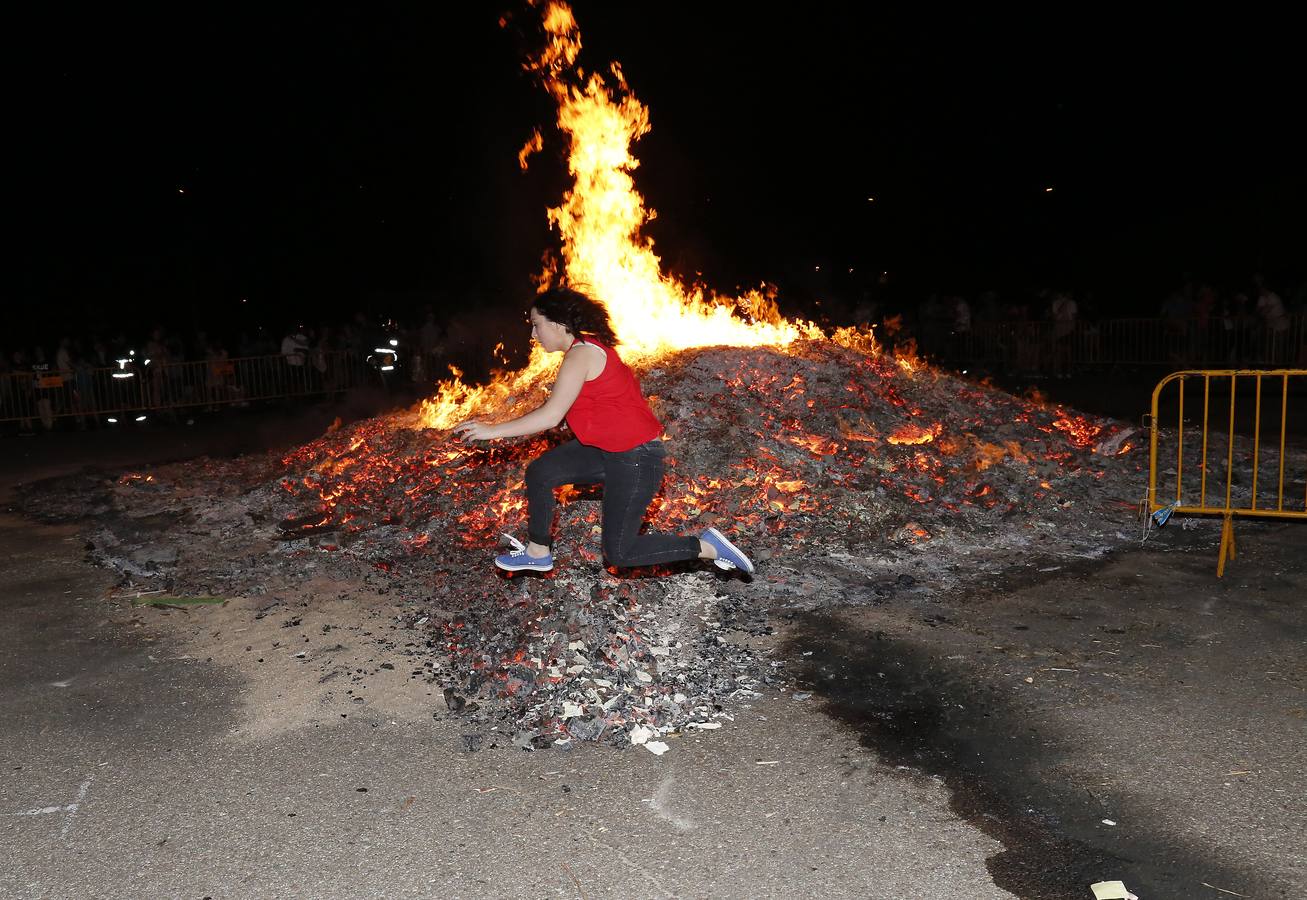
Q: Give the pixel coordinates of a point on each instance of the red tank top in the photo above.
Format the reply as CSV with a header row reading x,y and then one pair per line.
x,y
610,412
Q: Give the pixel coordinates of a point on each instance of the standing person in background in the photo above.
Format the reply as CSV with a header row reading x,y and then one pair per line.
x,y
318,354
156,360
358,335
68,396
1204,311
1240,326
294,355
326,357
1063,311
1176,311
961,332
47,384
1022,345
617,443
100,357
218,372
933,320
84,386
24,391
430,346
294,346
8,404
1298,312
312,373
1273,319
63,357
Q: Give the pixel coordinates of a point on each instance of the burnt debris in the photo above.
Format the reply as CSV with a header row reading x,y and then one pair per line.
x,y
849,476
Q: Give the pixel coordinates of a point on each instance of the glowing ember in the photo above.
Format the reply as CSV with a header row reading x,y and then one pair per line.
x,y
915,434
814,444
905,355
864,433
1080,431
988,454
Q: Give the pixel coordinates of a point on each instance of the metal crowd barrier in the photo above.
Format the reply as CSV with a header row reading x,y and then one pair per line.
x,y
132,389
1036,346
1239,489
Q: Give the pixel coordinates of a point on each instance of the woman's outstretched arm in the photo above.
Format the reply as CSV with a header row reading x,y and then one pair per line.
x,y
567,386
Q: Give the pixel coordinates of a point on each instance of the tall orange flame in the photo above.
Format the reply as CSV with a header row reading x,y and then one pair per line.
x,y
603,248
601,217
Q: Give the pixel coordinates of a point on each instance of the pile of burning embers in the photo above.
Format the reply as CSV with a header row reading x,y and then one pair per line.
x,y
851,476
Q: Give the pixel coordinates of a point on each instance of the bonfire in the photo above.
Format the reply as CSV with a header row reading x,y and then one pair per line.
x,y
850,473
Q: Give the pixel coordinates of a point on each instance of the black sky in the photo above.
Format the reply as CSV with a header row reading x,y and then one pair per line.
x,y
347,156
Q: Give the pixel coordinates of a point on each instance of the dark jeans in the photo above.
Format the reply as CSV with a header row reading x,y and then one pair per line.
x,y
630,480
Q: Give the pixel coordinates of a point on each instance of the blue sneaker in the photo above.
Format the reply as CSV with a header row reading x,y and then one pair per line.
x,y
518,561
729,556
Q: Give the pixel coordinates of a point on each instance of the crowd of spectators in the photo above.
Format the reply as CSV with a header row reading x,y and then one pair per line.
x,y
1052,331
72,377
1047,332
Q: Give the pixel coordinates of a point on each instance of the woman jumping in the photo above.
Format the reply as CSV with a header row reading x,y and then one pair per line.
x,y
617,444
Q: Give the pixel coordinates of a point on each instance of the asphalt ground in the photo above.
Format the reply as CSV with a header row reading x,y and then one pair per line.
x,y
122,779
1133,718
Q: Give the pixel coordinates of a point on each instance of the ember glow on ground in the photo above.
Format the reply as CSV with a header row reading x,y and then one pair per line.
x,y
830,465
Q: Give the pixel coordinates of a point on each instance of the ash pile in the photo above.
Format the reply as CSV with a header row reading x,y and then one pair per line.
x,y
849,475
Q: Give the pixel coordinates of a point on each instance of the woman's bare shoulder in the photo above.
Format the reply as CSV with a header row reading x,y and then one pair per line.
x,y
596,358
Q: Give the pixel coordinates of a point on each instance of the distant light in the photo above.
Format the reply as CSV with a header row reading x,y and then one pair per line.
x,y
850,270
871,199
140,418
147,362
816,268
112,421
1048,190
124,374
245,299
387,368
394,343
181,190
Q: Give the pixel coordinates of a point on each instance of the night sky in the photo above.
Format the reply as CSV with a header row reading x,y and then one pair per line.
x,y
172,165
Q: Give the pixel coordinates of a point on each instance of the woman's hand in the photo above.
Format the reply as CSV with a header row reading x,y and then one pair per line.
x,y
475,430
571,378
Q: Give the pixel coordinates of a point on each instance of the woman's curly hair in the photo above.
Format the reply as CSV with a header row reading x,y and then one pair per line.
x,y
577,312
